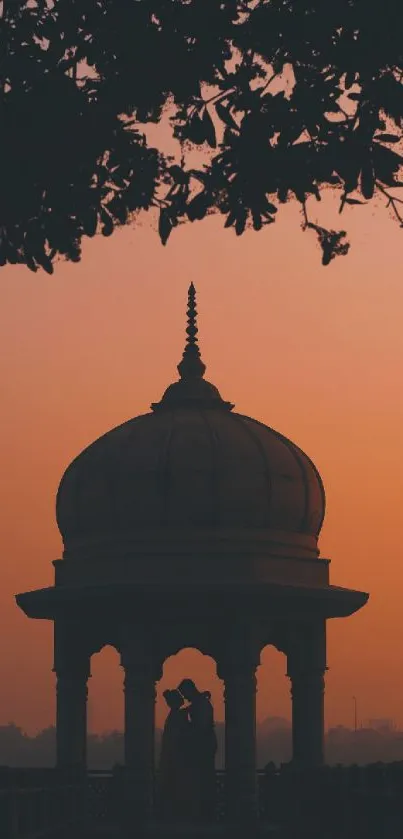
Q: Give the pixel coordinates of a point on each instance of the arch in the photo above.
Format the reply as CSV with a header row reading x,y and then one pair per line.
x,y
105,709
192,663
273,708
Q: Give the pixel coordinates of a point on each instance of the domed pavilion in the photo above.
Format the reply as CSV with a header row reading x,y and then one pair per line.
x,y
191,526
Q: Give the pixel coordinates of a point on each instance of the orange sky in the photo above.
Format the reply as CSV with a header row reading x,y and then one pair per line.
x,y
316,353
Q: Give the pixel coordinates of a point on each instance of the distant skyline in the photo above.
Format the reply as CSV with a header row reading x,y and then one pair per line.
x,y
315,353
343,745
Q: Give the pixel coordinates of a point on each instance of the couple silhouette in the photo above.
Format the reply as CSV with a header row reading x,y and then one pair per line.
x,y
187,762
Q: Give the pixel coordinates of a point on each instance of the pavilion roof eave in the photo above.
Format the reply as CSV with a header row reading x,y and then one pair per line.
x,y
330,601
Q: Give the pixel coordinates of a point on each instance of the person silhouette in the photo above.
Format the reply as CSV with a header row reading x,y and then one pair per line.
x,y
175,783
203,747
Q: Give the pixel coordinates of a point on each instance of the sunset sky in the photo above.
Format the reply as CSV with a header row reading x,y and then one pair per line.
x,y
316,353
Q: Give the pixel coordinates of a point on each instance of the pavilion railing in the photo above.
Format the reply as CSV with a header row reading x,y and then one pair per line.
x,y
341,802
39,804
333,802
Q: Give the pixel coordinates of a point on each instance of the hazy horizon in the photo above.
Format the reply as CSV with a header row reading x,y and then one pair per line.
x,y
274,743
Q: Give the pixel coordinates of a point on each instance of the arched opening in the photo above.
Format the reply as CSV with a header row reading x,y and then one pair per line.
x,y
105,716
273,709
190,663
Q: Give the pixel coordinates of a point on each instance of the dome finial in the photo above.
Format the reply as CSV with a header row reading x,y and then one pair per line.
x,y
192,390
191,365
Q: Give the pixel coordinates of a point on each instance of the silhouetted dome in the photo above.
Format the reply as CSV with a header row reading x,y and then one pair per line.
x,y
191,463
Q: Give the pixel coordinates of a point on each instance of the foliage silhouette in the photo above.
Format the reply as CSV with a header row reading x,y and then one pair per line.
x,y
280,99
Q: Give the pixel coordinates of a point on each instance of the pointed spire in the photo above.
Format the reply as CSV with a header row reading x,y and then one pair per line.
x,y
191,391
191,366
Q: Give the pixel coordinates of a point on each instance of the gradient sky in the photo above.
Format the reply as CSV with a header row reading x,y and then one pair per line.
x,y
315,353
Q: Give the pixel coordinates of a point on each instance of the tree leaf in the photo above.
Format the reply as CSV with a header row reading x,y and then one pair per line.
x,y
230,220
282,194
257,220
388,138
367,180
353,201
107,223
30,263
209,129
164,226
118,209
90,221
350,79
178,175
225,116
241,219
195,130
198,206
44,261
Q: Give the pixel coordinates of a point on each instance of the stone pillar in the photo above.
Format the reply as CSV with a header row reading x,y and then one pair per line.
x,y
238,670
139,699
72,668
306,669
